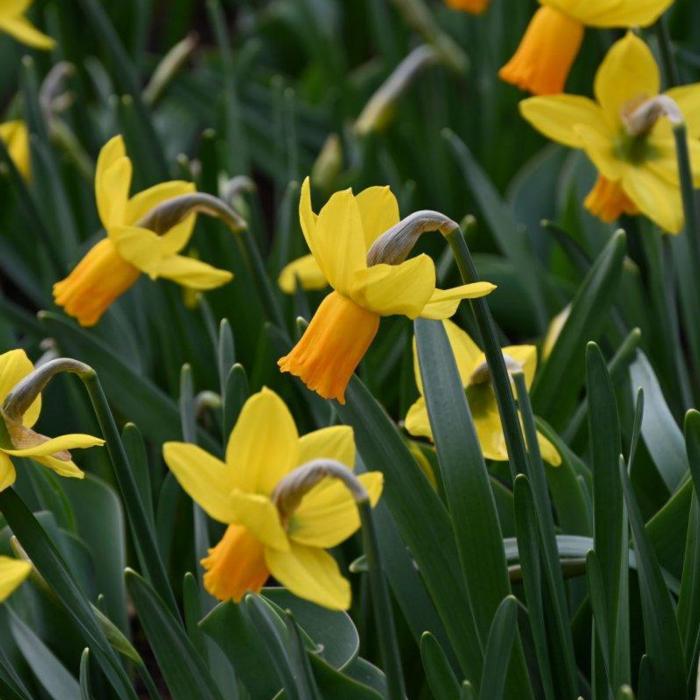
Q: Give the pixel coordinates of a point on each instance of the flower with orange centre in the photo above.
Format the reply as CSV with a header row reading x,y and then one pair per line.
x,y
15,136
552,40
264,535
631,144
341,238
114,264
14,23
17,439
476,380
474,7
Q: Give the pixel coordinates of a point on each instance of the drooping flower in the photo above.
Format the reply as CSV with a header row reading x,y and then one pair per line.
x,y
262,538
13,572
346,322
17,439
552,40
475,7
14,23
15,136
475,377
637,167
114,264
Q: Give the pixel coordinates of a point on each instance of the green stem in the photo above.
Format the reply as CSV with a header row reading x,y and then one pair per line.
x,y
668,62
139,524
386,629
680,135
494,357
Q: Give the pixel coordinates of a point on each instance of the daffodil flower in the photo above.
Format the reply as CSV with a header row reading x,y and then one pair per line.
x,y
17,439
475,378
114,264
15,136
638,171
474,7
261,538
13,572
347,320
14,23
552,40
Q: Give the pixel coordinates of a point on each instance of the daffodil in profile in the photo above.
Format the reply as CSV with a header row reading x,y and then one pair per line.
x,y
552,40
13,572
359,246
15,136
474,7
625,135
476,380
17,439
272,530
129,249
14,23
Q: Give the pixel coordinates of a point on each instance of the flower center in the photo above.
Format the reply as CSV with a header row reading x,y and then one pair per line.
x,y
634,149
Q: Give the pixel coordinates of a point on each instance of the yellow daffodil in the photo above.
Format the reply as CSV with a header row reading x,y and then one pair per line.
x,y
13,572
14,23
637,169
347,320
115,262
552,40
475,7
475,377
264,448
17,439
15,136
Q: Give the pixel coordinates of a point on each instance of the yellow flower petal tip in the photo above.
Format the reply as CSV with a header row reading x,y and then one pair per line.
x,y
15,136
332,346
474,7
114,264
14,23
13,572
542,62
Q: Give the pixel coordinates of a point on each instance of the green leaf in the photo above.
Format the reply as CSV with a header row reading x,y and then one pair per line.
x,y
661,434
663,644
499,647
235,394
441,679
182,667
334,684
367,674
85,692
557,385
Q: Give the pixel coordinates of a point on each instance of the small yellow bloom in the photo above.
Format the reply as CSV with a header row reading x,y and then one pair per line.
x,y
115,263
16,138
638,173
13,572
475,7
263,448
473,372
13,21
347,320
551,42
17,439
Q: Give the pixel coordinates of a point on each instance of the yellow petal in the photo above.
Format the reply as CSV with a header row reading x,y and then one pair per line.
x,y
25,32
206,479
263,446
191,273
601,152
328,515
72,441
16,137
619,13
548,451
306,270
143,202
395,289
556,116
655,197
112,182
261,517
13,8
310,573
7,472
487,422
336,442
444,302
417,421
688,99
138,246
627,75
526,356
15,366
12,573
379,211
65,468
